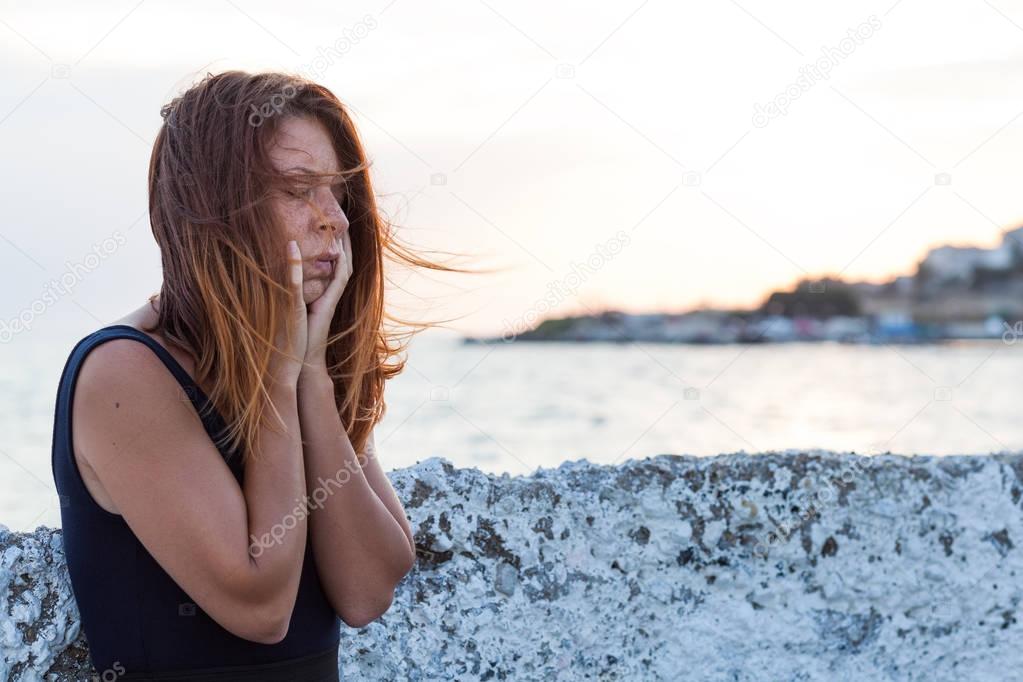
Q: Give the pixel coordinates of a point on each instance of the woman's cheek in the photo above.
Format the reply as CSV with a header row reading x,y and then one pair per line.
x,y
291,217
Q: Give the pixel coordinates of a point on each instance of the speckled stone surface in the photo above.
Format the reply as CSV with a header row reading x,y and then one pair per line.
x,y
776,566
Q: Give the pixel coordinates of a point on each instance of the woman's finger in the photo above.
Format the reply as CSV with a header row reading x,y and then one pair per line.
x,y
346,242
295,263
338,280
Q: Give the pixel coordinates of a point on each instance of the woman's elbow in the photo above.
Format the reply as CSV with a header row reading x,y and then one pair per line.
x,y
364,615
265,631
273,635
358,614
409,564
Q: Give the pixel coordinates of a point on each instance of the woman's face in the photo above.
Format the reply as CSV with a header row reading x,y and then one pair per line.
x,y
314,218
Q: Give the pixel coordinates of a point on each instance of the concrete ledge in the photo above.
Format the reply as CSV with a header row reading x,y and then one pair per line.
x,y
778,566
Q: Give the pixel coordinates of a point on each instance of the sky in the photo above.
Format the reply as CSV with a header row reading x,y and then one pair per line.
x,y
641,156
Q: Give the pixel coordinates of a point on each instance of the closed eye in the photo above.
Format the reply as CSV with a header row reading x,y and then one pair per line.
x,y
301,193
338,188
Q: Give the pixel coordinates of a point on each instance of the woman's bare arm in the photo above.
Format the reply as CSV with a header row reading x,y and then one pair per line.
x,y
361,549
146,443
370,461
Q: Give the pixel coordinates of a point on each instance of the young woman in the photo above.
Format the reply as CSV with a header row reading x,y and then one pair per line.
x,y
222,504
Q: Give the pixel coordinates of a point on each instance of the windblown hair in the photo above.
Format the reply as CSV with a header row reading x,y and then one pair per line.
x,y
226,290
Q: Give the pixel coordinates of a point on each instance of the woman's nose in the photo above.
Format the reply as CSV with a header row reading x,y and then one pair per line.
x,y
335,220
332,243
335,228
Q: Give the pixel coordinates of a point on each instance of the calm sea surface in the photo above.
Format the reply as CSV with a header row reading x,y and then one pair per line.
x,y
515,407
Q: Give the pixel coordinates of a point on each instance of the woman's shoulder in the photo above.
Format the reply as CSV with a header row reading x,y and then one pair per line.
x,y
135,362
143,320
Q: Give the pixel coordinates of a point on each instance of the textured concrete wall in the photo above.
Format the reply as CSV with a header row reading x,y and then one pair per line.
x,y
781,566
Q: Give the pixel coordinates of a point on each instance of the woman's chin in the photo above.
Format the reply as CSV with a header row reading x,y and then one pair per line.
x,y
312,290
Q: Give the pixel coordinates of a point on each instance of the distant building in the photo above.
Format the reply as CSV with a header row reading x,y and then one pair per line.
x,y
958,292
702,326
1013,240
903,285
947,264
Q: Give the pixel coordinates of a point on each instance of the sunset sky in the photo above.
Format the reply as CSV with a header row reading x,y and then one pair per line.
x,y
528,135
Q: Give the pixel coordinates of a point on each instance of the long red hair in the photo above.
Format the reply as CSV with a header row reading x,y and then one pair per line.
x,y
223,249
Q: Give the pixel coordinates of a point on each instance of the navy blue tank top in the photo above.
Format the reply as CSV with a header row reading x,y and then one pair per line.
x,y
136,619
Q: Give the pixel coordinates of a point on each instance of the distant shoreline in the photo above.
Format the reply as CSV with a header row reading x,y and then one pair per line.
x,y
715,327
473,340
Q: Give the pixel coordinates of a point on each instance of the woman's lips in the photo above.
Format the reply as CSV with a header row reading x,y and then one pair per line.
x,y
323,267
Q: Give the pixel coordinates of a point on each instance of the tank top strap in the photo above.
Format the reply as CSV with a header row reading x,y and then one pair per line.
x,y
211,418
187,383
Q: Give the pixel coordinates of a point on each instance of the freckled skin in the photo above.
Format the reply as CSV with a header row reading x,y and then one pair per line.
x,y
303,141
